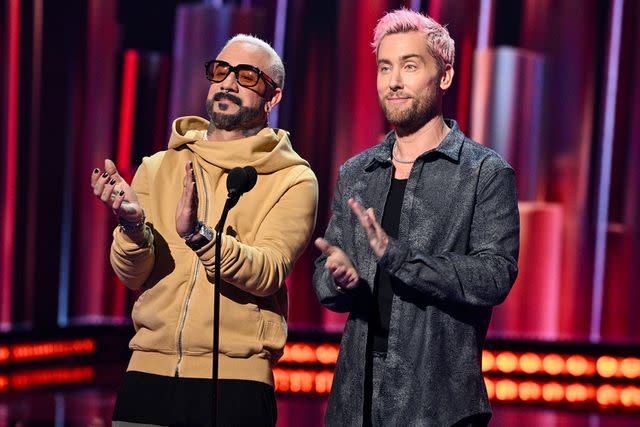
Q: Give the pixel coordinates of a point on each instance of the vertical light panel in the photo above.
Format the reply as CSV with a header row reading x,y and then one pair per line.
x,y
66,225
463,64
538,282
604,179
32,189
461,20
485,19
161,104
127,108
436,9
118,293
278,45
59,404
507,105
12,48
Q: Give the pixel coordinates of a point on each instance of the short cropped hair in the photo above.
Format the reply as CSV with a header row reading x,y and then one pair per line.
x,y
439,42
276,69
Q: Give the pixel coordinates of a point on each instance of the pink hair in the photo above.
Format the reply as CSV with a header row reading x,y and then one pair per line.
x,y
439,42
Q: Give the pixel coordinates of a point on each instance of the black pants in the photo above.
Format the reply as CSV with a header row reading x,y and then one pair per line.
x,y
155,399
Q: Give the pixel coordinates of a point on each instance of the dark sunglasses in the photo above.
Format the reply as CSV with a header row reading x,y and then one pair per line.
x,y
246,75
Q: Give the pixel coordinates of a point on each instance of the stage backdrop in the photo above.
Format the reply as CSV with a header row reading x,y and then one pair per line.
x,y
553,85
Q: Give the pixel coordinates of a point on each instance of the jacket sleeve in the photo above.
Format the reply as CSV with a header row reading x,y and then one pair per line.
x,y
260,268
483,276
324,285
132,257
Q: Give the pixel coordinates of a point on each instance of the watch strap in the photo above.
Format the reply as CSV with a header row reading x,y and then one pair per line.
x,y
205,232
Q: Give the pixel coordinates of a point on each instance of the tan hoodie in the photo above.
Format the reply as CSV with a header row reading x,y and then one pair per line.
x,y
264,234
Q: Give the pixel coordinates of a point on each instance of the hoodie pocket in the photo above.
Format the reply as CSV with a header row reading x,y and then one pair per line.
x,y
273,334
240,321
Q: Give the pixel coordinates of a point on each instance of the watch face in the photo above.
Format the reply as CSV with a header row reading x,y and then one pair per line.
x,y
207,235
206,232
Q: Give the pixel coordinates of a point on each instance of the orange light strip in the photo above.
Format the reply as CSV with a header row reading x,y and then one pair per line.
x,y
505,362
574,365
46,350
604,395
307,381
45,377
324,354
302,381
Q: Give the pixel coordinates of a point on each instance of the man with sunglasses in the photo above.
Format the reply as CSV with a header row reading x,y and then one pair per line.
x,y
164,247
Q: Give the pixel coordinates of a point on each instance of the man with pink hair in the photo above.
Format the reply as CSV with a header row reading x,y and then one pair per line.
x,y
420,268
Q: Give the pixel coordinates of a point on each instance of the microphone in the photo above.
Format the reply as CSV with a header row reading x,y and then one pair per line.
x,y
241,180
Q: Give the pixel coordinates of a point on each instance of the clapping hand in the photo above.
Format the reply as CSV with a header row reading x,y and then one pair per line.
x,y
339,265
116,193
187,210
378,238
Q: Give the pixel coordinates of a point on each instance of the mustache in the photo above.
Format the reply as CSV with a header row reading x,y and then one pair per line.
x,y
396,95
223,95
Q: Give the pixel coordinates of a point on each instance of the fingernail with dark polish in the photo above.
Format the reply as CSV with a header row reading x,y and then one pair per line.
x,y
106,174
122,192
96,170
113,181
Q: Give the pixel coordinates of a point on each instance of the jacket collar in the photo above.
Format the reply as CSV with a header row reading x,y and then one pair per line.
x,y
450,146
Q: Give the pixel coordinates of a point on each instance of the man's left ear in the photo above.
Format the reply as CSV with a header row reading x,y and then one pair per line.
x,y
447,77
276,96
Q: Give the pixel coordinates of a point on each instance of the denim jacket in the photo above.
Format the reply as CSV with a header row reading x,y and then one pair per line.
x,y
456,257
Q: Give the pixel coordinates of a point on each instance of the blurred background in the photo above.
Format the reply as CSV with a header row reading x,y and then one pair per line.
x,y
552,85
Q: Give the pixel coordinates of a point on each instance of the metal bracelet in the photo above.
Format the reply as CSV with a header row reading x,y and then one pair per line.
x,y
129,227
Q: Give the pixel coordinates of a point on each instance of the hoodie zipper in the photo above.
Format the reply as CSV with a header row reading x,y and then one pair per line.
x,y
193,282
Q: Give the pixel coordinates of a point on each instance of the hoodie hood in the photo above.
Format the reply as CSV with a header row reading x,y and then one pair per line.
x,y
268,151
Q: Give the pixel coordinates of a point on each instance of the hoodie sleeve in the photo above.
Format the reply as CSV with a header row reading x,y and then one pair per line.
x,y
260,268
132,257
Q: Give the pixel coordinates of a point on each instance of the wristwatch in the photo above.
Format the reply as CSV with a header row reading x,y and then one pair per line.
x,y
202,230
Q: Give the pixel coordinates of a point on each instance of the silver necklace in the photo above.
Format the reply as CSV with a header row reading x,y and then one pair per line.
x,y
393,154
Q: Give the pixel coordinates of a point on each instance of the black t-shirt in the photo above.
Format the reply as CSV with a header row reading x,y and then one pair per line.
x,y
383,291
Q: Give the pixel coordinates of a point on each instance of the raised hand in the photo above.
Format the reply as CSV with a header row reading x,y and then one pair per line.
x,y
116,193
339,265
187,210
378,238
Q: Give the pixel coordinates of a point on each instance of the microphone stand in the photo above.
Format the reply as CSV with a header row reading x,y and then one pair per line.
x,y
231,201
